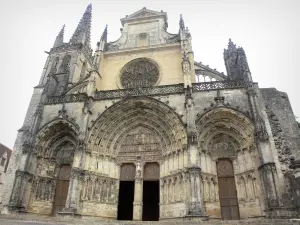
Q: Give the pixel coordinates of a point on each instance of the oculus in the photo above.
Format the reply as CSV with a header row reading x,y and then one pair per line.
x,y
139,73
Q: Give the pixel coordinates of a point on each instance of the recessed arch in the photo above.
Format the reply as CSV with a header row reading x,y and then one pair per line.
x,y
235,125
150,114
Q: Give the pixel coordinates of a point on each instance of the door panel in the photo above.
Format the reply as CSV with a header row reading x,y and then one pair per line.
x,y
62,188
227,190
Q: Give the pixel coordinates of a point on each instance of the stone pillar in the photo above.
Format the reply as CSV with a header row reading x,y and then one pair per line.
x,y
138,193
195,206
270,171
73,193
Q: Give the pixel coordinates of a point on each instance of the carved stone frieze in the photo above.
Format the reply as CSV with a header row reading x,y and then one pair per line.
x,y
159,90
67,98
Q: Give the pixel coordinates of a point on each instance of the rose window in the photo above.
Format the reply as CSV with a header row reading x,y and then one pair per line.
x,y
139,73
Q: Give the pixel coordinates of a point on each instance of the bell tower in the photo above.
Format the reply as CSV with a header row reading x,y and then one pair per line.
x,y
69,62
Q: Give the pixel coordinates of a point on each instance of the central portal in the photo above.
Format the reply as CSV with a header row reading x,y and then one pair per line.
x,y
151,201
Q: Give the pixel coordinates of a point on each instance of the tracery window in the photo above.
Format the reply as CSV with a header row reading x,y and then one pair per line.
x,y
83,69
139,73
54,65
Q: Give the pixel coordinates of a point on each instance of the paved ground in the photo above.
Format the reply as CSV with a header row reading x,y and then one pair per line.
x,y
20,222
15,220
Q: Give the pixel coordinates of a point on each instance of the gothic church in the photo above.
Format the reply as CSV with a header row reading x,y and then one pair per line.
x,y
138,130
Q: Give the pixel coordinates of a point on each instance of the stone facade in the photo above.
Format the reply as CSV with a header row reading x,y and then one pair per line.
x,y
141,110
5,154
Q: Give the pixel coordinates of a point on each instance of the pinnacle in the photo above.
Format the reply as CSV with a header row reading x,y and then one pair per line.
x,y
104,34
231,45
181,22
60,37
62,31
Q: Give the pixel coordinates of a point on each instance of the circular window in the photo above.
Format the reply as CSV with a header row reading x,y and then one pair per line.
x,y
139,73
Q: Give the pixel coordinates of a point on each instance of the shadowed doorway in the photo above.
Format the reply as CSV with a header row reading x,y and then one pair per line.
x,y
151,192
126,192
227,190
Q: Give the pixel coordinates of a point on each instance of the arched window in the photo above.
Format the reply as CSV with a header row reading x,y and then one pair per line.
x,y
65,65
54,65
83,70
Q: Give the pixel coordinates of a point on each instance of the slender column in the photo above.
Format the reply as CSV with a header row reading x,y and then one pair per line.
x,y
161,192
138,193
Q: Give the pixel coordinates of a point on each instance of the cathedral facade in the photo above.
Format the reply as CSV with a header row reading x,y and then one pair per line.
x,y
138,130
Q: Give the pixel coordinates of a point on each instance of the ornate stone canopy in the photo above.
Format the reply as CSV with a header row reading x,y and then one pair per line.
x,y
139,73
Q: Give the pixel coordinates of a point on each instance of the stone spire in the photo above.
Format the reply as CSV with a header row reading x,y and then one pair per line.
x,y
82,33
60,38
104,35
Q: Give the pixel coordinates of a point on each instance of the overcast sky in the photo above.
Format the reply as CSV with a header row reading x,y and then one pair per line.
x,y
268,30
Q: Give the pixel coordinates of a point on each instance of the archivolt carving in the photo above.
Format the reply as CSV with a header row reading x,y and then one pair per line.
x,y
139,73
223,130
55,145
115,130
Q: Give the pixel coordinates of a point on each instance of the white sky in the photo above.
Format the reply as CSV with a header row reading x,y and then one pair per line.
x,y
268,30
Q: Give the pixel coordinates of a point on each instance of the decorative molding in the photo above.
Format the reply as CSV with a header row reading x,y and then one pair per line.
x,y
158,90
217,85
66,98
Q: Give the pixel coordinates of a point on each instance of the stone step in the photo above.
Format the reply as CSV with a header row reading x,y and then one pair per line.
x,y
97,221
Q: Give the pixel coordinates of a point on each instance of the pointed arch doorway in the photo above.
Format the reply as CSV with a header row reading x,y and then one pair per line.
x,y
126,192
227,190
151,192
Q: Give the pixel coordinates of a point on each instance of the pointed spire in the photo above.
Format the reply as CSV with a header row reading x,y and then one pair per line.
x,y
60,37
231,45
104,34
181,23
82,33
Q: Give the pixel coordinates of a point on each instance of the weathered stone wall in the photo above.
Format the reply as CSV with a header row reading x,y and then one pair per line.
x,y
102,210
285,123
172,210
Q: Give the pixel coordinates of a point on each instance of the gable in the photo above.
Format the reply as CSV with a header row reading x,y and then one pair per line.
x,y
143,13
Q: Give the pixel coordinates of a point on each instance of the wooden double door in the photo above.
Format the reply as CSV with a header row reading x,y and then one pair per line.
x,y
62,187
227,190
